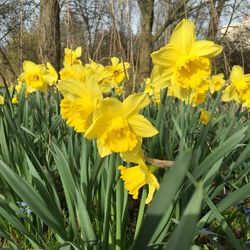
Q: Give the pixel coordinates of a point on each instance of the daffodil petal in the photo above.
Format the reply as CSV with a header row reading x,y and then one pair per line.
x,y
134,179
236,73
141,126
134,103
28,66
205,48
126,65
166,56
183,36
115,61
108,108
71,87
78,52
74,88
230,93
179,92
103,151
160,79
96,129
105,111
134,156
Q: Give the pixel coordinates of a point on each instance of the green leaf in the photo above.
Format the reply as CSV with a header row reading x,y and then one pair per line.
x,y
85,222
30,195
220,152
230,200
184,233
170,185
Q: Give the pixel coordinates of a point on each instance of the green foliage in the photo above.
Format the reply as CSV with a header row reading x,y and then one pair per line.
x,y
76,200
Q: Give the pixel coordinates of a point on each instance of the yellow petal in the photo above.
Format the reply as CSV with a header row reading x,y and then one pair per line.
x,y
78,52
247,77
206,49
51,75
152,186
73,88
126,65
103,151
166,56
134,103
106,110
134,179
1,100
28,66
236,73
135,156
230,93
21,78
179,92
183,36
77,113
160,78
114,61
96,129
204,116
141,126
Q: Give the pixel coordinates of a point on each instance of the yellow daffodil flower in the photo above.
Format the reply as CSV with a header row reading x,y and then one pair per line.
x,y
37,76
184,63
14,100
71,56
75,71
119,91
239,88
139,175
204,116
98,72
117,72
195,98
28,89
216,82
51,76
79,102
1,100
153,91
117,126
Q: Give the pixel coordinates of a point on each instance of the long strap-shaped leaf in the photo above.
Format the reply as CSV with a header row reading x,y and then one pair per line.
x,y
29,194
170,185
220,152
74,197
230,200
186,228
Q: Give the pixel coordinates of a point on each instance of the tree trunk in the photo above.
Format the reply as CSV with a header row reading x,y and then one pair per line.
x,y
216,8
49,33
146,39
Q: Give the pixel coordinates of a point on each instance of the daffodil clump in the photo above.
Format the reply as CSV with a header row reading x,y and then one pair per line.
x,y
117,125
92,101
108,77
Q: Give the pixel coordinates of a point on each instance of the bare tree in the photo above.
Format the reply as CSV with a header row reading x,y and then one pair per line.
x,y
49,32
216,8
146,37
